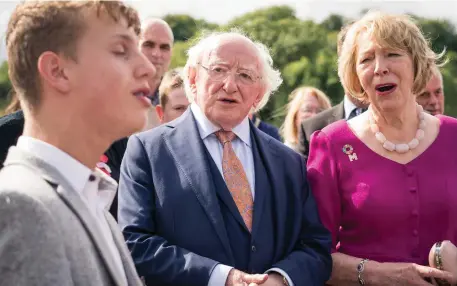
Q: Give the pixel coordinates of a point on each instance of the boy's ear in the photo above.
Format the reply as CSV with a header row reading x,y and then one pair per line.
x,y
53,71
159,111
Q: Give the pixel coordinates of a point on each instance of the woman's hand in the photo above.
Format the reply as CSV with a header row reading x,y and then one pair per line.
x,y
404,274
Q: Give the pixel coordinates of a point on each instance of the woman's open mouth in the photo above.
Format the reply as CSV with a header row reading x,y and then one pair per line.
x,y
385,89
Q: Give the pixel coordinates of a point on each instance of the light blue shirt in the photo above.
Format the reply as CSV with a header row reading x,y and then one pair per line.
x,y
241,143
243,149
349,106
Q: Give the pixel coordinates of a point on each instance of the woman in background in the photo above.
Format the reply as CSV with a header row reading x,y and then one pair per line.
x,y
304,102
385,181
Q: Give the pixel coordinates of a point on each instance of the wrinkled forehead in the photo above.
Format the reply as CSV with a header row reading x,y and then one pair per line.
x,y
232,51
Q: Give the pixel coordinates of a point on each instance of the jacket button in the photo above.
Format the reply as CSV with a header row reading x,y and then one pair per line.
x,y
253,248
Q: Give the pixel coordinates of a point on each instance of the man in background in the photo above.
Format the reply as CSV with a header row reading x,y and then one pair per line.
x,y
156,43
173,100
432,98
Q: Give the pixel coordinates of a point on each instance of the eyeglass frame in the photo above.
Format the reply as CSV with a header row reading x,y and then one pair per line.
x,y
208,70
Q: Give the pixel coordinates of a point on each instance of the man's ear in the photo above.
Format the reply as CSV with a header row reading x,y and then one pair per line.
x,y
193,79
159,111
259,98
51,68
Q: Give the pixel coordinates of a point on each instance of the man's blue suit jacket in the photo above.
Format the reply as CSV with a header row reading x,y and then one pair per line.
x,y
171,218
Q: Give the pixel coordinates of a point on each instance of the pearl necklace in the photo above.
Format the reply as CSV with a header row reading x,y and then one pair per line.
x,y
402,147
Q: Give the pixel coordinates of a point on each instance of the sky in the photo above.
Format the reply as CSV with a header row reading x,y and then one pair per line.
x,y
222,11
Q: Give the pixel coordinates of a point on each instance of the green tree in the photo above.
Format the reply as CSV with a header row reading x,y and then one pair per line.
x,y
179,57
185,27
305,51
5,84
334,22
271,14
290,40
449,72
441,34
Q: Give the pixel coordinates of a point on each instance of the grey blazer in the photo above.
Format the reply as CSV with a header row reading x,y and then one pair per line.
x,y
47,234
317,122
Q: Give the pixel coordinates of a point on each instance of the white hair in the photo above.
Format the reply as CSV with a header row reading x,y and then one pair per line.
x,y
152,20
271,78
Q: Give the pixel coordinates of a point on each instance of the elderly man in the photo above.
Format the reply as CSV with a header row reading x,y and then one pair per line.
x,y
208,199
432,98
173,100
156,44
54,224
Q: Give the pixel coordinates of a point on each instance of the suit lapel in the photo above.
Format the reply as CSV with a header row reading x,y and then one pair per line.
x,y
72,199
187,149
262,149
129,268
338,114
74,202
224,193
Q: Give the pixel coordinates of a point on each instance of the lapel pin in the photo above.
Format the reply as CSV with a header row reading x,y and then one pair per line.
x,y
349,150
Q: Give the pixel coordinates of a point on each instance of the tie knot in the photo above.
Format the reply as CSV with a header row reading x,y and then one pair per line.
x,y
225,136
357,111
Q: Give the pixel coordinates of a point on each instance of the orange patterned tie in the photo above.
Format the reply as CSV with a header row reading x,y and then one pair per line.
x,y
235,177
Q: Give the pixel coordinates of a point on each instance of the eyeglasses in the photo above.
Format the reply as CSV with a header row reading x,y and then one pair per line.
x,y
220,73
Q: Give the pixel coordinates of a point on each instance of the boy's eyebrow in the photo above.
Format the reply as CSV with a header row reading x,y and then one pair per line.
x,y
125,37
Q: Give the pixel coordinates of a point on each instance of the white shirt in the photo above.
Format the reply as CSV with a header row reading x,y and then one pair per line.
x,y
97,193
241,143
243,149
349,106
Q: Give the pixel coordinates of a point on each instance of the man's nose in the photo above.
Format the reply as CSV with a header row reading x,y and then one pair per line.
x,y
230,84
155,52
433,100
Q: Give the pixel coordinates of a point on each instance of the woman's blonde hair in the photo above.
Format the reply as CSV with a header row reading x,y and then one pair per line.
x,y
289,129
397,32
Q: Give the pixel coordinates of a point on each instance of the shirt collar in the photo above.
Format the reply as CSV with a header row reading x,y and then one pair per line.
x,y
206,127
349,106
73,171
107,189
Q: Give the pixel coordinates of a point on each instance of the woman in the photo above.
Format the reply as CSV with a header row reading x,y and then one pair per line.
x,y
385,182
304,102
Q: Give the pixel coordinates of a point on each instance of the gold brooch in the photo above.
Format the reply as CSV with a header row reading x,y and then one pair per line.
x,y
349,150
